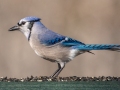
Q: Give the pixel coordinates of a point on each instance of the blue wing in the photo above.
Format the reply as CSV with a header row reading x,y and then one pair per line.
x,y
51,38
71,42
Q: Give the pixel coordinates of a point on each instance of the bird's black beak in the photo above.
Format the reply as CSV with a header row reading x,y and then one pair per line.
x,y
14,28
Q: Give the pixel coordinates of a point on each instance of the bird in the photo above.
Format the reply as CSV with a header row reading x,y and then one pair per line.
x,y
55,47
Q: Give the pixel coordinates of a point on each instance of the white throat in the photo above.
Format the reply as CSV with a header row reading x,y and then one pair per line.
x,y
26,33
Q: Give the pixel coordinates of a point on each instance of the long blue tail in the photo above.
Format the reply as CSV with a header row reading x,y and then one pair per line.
x,y
98,47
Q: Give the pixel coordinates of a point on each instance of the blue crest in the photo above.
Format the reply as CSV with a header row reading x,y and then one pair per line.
x,y
30,19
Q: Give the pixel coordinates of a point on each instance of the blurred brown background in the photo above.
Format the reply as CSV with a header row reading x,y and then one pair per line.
x,y
90,21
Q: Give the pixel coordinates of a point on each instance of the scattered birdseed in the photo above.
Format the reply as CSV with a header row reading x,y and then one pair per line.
x,y
58,79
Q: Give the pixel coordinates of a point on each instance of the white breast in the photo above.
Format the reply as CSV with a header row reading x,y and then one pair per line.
x,y
33,47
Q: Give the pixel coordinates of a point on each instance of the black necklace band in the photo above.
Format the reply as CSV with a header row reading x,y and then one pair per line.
x,y
30,28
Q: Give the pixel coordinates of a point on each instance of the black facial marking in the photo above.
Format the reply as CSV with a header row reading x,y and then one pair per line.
x,y
30,28
30,25
18,24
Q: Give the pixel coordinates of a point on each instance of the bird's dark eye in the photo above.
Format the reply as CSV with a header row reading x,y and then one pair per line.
x,y
23,23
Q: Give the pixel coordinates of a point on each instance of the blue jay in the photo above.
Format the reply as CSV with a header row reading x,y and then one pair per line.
x,y
53,46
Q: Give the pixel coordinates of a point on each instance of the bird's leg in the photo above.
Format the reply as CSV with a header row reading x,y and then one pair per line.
x,y
61,65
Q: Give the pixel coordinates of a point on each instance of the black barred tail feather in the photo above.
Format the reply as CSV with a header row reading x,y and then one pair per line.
x,y
98,47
